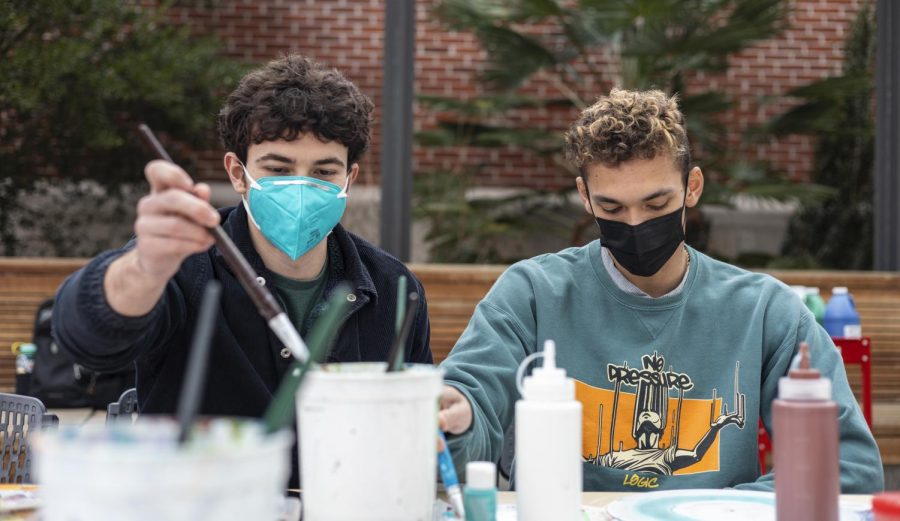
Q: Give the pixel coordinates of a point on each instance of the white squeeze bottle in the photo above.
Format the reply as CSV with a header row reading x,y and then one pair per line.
x,y
548,443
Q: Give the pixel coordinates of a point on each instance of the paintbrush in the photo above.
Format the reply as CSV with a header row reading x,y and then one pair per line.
x,y
400,311
277,319
195,376
282,409
395,355
401,304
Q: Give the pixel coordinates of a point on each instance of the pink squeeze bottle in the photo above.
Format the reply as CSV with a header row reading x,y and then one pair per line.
x,y
806,440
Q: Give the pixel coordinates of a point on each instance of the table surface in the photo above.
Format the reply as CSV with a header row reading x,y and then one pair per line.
x,y
600,499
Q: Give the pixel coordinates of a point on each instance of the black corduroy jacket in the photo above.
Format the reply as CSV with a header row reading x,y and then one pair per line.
x,y
246,361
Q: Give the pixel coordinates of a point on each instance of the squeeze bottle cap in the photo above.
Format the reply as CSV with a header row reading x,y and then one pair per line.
x,y
804,383
548,383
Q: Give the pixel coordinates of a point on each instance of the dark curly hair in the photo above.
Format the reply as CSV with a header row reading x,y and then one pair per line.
x,y
294,95
629,125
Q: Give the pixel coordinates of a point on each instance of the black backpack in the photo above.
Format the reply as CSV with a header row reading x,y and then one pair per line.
x,y
59,382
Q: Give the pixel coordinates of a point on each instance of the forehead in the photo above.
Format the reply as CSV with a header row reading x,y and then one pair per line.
x,y
636,177
305,148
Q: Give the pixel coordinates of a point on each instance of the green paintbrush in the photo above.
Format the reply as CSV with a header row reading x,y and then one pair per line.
x,y
396,361
282,409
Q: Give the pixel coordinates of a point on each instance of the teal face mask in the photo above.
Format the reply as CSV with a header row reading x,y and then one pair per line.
x,y
293,212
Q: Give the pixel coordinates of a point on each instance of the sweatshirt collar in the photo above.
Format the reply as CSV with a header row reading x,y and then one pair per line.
x,y
672,299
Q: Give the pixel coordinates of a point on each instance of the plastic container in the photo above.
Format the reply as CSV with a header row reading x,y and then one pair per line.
x,y
800,291
886,506
367,442
841,318
814,303
24,366
480,496
805,429
548,463
125,472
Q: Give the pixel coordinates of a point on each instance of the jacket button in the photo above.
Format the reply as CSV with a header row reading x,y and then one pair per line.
x,y
261,281
351,297
285,352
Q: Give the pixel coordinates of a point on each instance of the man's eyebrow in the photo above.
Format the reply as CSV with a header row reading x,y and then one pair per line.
x,y
602,199
659,193
276,157
329,161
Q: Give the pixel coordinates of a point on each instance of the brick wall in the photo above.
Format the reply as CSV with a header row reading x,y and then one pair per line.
x,y
348,35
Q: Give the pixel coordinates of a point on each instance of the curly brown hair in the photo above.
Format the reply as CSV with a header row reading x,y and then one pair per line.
x,y
294,95
629,125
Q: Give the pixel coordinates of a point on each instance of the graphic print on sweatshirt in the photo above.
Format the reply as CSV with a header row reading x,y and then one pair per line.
x,y
652,422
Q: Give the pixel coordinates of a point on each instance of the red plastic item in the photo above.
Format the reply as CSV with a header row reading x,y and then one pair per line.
x,y
853,351
859,351
886,506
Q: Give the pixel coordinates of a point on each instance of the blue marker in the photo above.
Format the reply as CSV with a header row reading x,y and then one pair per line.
x,y
448,476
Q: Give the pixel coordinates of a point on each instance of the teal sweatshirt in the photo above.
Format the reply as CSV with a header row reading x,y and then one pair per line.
x,y
672,388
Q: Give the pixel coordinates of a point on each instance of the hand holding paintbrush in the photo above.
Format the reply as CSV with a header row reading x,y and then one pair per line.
x,y
199,229
171,225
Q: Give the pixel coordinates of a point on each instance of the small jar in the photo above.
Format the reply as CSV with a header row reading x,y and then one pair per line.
x,y
480,495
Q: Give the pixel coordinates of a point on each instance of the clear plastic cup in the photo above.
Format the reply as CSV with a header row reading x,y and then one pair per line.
x,y
229,470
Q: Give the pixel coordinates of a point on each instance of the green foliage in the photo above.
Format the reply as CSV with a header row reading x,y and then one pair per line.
x,y
76,77
654,44
837,113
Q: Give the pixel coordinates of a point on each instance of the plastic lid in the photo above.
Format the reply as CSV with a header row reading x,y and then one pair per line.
x,y
28,349
800,291
548,383
481,475
804,382
839,290
886,503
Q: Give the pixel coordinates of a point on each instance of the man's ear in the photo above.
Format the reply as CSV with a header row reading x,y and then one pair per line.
x,y
352,174
583,193
235,173
694,187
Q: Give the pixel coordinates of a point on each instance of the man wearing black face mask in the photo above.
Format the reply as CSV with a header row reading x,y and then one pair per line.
x,y
676,356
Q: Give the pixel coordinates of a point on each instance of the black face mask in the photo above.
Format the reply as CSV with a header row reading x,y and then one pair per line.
x,y
643,249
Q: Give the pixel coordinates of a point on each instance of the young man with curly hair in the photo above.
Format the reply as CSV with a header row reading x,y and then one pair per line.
x,y
676,356
294,132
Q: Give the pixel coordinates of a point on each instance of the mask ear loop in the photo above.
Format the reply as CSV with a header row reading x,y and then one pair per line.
x,y
253,183
343,193
244,197
593,212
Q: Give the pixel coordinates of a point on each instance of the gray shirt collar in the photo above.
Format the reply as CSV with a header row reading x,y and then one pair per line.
x,y
626,285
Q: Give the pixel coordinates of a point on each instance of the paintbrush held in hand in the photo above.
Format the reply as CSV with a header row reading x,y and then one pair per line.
x,y
277,319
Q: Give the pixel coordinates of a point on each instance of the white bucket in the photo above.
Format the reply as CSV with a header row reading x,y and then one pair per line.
x,y
137,472
368,442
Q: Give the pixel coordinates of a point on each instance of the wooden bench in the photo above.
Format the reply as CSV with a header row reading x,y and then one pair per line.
x,y
454,290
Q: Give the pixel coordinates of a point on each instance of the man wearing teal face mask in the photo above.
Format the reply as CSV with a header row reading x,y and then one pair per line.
x,y
294,132
676,357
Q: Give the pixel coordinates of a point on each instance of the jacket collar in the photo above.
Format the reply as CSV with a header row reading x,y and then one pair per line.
x,y
344,262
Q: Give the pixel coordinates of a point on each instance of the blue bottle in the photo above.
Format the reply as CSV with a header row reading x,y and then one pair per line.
x,y
480,496
841,318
